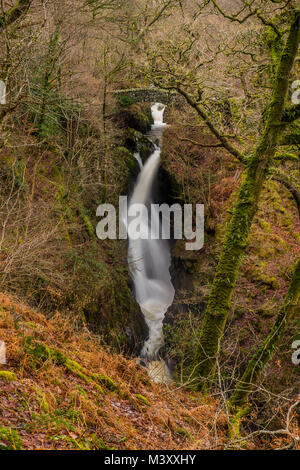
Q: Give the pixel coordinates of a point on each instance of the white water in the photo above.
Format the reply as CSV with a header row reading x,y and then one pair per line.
x,y
138,158
149,260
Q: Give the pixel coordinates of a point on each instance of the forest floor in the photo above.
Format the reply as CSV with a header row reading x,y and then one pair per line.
x,y
60,389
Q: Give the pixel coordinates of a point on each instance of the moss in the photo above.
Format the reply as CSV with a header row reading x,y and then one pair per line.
x,y
297,236
106,381
40,353
122,154
235,422
269,345
10,439
271,282
279,207
182,432
257,273
81,391
88,225
245,208
140,143
265,226
275,47
7,376
266,246
30,325
267,309
142,399
139,117
125,100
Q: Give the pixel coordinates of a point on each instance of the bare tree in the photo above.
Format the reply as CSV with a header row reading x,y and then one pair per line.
x,y
283,41
8,17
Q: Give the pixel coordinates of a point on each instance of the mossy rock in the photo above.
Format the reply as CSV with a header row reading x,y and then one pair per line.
x,y
142,399
7,376
183,433
124,155
140,143
257,273
39,354
10,439
266,246
139,117
267,309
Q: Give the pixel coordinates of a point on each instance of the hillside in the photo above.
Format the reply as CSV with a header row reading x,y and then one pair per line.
x,y
172,321
62,390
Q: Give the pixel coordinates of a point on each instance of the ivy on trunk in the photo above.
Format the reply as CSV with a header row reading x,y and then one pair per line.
x,y
256,172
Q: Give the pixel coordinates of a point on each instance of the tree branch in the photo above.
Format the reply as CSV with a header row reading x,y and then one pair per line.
x,y
194,142
19,9
291,114
155,18
290,139
291,185
223,141
286,156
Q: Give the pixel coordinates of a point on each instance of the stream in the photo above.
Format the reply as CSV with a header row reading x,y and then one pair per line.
x,y
149,254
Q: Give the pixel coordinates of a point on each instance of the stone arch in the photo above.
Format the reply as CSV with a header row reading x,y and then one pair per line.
x,y
147,94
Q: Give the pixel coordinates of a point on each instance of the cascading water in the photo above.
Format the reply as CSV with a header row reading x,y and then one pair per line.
x,y
149,259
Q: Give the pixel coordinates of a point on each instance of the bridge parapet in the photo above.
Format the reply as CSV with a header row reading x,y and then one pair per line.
x,y
145,94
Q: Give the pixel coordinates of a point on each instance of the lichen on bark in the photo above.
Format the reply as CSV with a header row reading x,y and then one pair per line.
x,y
269,345
256,172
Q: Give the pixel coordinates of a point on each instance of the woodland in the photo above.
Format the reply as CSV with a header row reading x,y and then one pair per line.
x,y
78,79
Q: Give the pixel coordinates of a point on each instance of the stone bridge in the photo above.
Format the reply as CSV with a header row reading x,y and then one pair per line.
x,y
144,95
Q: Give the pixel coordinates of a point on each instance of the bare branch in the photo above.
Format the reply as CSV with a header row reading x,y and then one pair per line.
x,y
18,10
223,141
291,114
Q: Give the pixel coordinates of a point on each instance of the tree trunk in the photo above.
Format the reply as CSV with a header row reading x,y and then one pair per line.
x,y
268,346
18,10
239,227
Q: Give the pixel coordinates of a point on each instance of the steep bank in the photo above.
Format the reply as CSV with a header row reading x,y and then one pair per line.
x,y
61,390
211,176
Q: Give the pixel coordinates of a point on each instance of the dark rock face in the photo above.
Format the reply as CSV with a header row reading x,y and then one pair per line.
x,y
136,116
140,143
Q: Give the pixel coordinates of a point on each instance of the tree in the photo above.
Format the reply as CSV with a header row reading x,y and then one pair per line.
x,y
282,41
269,344
19,9
236,238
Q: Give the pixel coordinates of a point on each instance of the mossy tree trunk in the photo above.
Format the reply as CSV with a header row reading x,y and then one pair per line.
x,y
268,346
219,302
50,74
14,13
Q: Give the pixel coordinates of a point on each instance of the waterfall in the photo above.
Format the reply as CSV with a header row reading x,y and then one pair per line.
x,y
149,259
